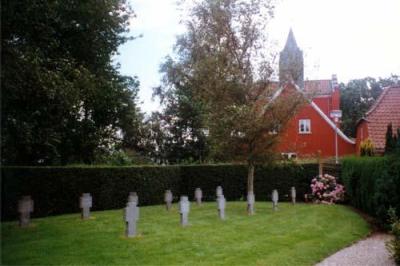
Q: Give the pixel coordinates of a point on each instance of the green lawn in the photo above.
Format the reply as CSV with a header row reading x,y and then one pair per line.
x,y
294,235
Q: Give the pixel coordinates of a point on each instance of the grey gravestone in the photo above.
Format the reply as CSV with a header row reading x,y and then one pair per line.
x,y
221,202
85,205
275,198
219,191
250,203
25,207
184,208
131,216
133,197
198,194
293,194
168,199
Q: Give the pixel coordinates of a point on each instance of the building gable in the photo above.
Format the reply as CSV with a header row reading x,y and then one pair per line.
x,y
385,110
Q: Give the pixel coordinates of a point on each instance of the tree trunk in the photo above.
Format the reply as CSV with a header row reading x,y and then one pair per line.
x,y
250,177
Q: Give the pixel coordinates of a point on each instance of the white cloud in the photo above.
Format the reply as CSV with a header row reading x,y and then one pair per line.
x,y
156,15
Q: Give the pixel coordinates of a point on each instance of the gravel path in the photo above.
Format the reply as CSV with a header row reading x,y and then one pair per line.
x,y
370,251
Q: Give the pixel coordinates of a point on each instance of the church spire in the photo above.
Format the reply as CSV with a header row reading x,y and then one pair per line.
x,y
291,63
291,41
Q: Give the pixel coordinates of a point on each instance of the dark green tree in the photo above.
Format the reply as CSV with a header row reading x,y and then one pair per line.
x,y
398,142
390,140
63,100
156,138
184,130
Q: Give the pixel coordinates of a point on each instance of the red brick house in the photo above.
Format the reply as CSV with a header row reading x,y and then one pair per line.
x,y
312,130
374,125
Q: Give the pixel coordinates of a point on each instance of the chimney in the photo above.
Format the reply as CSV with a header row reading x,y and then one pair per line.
x,y
335,93
334,81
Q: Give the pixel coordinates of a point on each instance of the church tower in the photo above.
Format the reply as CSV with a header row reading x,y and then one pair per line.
x,y
291,63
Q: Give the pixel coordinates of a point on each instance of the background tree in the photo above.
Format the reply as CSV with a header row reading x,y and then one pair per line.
x,y
62,98
357,96
223,61
182,118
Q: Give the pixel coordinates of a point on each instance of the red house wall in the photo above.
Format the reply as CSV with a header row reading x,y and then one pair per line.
x,y
321,138
327,103
324,103
336,99
362,134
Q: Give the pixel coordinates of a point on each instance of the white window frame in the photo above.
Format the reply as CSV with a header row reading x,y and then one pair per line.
x,y
289,155
304,126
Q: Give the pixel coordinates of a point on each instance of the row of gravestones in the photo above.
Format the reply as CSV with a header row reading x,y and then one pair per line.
x,y
131,211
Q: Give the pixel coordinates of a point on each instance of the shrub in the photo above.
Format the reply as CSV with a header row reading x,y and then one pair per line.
x,y
120,158
373,184
56,190
391,140
325,189
394,245
367,148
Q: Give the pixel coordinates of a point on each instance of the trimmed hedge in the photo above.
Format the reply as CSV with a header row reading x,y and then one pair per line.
x,y
373,184
233,179
56,190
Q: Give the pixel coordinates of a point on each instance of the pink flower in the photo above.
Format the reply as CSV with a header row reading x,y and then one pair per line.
x,y
325,189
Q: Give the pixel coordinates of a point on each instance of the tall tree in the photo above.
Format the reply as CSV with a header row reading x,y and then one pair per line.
x,y
63,99
390,140
223,60
184,135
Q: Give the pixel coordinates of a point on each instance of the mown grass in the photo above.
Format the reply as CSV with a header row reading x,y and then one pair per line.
x,y
294,235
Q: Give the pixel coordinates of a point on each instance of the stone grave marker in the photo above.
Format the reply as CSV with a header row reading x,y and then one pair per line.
x,y
184,208
221,202
168,199
250,203
131,216
219,191
293,194
25,207
198,194
85,205
275,198
133,196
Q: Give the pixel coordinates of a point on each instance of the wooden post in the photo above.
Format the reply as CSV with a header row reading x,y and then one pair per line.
x,y
320,165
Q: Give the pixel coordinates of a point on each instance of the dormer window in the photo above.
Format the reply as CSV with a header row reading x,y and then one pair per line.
x,y
304,126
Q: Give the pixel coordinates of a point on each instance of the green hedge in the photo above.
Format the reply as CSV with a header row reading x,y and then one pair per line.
x,y
373,184
233,180
56,190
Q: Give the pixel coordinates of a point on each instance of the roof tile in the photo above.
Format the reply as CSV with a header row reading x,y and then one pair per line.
x,y
318,87
385,110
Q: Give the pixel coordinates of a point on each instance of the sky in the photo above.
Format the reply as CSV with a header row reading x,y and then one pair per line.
x,y
350,38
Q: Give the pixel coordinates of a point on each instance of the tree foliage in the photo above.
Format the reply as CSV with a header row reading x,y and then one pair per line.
x,y
392,142
181,123
62,98
223,61
367,148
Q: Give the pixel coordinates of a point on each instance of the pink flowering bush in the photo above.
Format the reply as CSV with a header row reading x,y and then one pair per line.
x,y
325,189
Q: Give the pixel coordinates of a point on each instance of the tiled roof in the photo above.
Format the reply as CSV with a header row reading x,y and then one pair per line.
x,y
313,87
385,110
318,87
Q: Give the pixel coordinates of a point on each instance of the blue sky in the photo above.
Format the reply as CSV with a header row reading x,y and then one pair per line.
x,y
350,38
